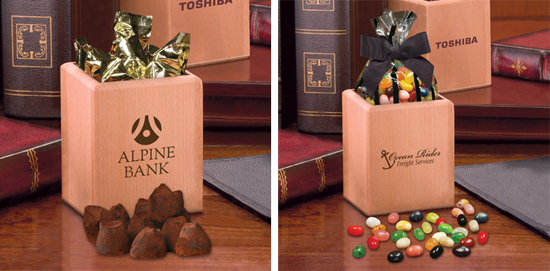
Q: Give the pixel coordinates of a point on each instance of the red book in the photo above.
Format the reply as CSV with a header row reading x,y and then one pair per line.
x,y
260,22
30,160
525,56
308,166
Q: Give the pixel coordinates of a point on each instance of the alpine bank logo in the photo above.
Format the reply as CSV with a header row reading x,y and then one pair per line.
x,y
147,134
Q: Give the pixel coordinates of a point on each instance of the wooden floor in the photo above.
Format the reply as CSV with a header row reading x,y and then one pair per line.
x,y
46,234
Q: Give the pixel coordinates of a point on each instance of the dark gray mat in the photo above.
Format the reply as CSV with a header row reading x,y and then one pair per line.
x,y
520,189
244,180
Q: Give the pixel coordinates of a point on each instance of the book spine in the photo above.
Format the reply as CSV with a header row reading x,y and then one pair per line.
x,y
322,31
520,62
305,180
260,24
30,171
35,42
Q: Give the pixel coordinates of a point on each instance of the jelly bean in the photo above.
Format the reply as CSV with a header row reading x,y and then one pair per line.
x,y
457,236
416,216
446,241
382,235
395,256
461,229
415,251
474,227
482,237
468,241
438,235
405,86
436,252
461,219
372,221
419,234
384,99
461,203
355,230
424,92
400,75
373,243
381,91
389,92
469,209
391,99
461,251
432,217
404,70
385,83
456,212
412,98
426,227
359,251
431,243
403,95
481,217
403,225
409,77
403,243
378,227
439,221
446,228
393,218
396,235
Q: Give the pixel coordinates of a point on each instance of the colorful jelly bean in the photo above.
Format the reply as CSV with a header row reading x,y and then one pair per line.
x,y
446,228
432,217
372,221
426,227
419,234
415,251
359,251
446,241
393,218
456,212
405,86
481,217
461,203
403,96
395,256
431,243
482,237
382,235
378,227
396,235
416,216
412,98
436,252
439,221
373,243
424,92
403,225
355,230
460,229
438,235
461,219
461,251
474,227
403,243
469,209
409,77
457,236
384,99
385,83
468,241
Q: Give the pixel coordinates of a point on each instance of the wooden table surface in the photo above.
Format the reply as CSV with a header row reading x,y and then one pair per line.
x,y
46,234
313,236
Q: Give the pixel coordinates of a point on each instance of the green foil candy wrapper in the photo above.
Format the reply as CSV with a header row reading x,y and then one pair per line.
x,y
130,56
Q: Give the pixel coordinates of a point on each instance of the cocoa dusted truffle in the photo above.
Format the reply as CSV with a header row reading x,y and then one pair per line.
x,y
193,241
121,214
171,231
149,244
138,223
93,215
164,204
182,211
112,238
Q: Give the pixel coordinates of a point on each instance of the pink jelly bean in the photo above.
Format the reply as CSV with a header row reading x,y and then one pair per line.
x,y
384,99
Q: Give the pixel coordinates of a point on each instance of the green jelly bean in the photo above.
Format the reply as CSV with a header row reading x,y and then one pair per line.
x,y
457,236
396,235
446,228
359,251
419,234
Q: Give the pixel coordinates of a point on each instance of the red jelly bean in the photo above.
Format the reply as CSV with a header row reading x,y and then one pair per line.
x,y
468,241
439,221
355,230
373,243
412,98
415,251
482,237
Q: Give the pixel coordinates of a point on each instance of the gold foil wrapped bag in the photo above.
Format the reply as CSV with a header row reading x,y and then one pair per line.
x,y
130,56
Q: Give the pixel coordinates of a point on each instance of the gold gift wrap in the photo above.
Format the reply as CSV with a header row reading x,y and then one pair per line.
x,y
130,56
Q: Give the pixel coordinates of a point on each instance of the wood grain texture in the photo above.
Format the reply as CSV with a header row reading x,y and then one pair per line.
x,y
313,236
374,183
98,139
46,234
452,20
219,33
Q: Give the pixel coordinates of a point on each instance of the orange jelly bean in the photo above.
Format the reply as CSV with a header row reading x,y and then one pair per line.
x,y
431,243
385,83
378,227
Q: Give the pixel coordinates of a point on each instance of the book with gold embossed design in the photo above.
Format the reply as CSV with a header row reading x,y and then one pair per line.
x,y
308,166
36,40
30,160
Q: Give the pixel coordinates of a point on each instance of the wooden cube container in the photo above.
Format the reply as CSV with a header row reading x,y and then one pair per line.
x,y
460,39
121,140
219,28
398,157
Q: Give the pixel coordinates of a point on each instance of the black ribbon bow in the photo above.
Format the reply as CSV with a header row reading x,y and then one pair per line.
x,y
382,53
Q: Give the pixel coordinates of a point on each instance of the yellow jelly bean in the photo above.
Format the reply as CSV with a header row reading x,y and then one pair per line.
x,y
403,225
409,77
381,91
406,86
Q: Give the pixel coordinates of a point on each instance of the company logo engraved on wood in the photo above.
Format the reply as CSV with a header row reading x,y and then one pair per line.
x,y
146,162
31,41
320,73
318,5
422,157
189,5
455,42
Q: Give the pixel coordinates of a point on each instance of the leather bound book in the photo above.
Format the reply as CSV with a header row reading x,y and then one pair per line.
x,y
526,56
328,34
30,160
94,20
308,166
260,22
36,40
